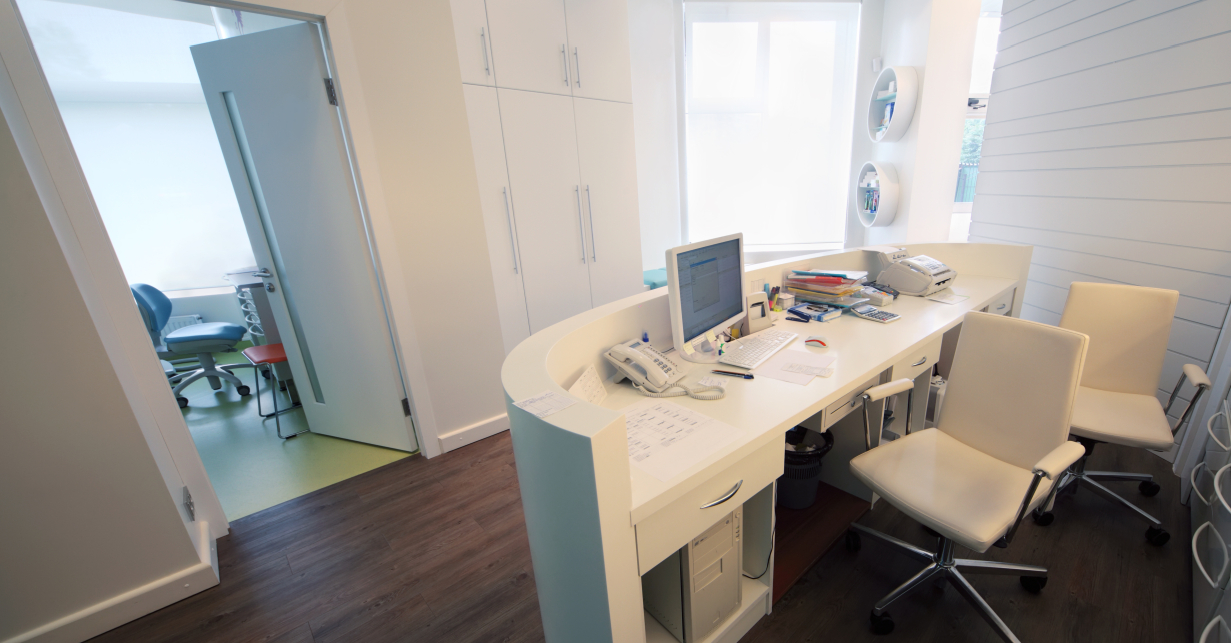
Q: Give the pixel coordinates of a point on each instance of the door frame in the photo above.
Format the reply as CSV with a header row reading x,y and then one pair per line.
x,y
42,139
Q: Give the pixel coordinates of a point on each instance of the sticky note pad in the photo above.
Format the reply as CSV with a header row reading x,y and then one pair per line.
x,y
709,334
688,348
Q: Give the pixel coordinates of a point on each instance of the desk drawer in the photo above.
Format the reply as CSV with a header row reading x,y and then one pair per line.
x,y
1003,305
920,358
671,527
848,402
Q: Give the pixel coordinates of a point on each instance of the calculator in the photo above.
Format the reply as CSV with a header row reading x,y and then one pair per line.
x,y
875,314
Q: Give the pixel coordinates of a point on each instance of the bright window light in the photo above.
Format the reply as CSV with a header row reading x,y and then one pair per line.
x,y
769,113
985,55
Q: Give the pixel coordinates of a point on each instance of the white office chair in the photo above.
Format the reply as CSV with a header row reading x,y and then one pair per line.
x,y
999,442
1128,328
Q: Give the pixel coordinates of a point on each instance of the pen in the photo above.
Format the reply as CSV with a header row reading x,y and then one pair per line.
x,y
746,376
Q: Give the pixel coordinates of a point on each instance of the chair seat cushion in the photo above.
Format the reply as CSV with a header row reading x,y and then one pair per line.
x,y
957,490
1121,418
265,354
223,332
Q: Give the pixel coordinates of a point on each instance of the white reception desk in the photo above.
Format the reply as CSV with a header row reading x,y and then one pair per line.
x,y
596,524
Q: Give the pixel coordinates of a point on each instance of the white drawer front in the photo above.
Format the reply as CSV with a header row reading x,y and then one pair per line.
x,y
671,527
920,358
1003,305
848,403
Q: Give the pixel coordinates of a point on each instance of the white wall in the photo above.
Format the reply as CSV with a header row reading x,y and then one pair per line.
x,y
1105,148
652,32
86,512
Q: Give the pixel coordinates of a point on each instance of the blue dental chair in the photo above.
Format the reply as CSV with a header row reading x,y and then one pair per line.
x,y
201,340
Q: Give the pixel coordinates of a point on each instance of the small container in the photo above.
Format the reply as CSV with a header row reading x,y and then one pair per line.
x,y
785,301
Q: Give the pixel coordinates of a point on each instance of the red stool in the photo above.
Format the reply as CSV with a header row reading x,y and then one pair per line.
x,y
268,355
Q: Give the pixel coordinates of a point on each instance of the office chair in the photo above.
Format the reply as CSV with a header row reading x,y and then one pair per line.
x,y
202,340
1000,441
1128,328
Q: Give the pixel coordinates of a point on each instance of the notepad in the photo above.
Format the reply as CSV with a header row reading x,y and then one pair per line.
x,y
589,387
666,439
545,403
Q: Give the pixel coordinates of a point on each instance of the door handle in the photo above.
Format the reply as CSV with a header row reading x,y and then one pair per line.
x,y
581,227
725,497
590,205
921,361
509,216
577,62
483,38
263,273
564,58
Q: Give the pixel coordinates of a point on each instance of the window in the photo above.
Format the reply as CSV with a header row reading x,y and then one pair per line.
x,y
769,110
976,117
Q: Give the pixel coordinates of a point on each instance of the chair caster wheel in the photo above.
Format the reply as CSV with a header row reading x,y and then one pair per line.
x,y
853,542
182,401
1034,584
243,390
265,374
1157,536
882,624
1148,488
1044,519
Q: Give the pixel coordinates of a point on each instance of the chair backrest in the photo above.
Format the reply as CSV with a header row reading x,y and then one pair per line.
x,y
1012,386
155,308
1128,328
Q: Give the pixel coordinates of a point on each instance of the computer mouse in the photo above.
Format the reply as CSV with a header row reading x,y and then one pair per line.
x,y
817,341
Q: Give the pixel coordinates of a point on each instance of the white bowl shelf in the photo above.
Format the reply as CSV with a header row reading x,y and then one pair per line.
x,y
884,194
906,80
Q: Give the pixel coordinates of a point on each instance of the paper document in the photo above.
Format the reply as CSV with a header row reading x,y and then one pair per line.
x,y
589,387
545,403
664,438
713,381
797,366
949,298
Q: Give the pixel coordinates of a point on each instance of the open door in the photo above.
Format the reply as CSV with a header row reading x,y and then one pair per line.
x,y
275,112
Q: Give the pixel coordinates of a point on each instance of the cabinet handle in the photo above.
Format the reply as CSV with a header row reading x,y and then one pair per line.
x,y
725,497
593,246
509,216
581,227
577,61
1001,306
921,362
564,59
483,38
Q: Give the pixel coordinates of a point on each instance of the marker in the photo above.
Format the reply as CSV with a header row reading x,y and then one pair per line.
x,y
746,376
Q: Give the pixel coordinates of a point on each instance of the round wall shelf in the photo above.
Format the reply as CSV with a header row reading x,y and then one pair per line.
x,y
876,194
890,112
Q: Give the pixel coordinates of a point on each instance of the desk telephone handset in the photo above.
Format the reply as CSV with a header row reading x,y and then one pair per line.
x,y
920,276
652,373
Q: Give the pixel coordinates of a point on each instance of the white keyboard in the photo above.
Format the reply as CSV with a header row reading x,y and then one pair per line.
x,y
751,351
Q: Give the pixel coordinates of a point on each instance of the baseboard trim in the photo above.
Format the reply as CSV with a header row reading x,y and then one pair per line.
x,y
133,604
473,433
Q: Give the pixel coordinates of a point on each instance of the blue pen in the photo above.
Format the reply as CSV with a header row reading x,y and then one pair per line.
x,y
746,376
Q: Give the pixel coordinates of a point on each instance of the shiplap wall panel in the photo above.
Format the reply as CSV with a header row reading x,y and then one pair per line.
x,y
1163,222
1075,22
1200,20
1108,148
1202,126
1009,6
1178,68
1204,99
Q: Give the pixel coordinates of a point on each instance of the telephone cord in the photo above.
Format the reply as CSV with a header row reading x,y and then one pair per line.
x,y
698,393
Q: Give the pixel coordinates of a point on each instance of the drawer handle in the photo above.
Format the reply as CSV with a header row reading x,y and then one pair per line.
x,y
1001,306
725,497
921,362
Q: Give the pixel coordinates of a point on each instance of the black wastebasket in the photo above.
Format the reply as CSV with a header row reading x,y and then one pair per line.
x,y
801,473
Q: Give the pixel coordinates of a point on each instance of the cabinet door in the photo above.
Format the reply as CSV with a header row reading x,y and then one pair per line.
x,y
483,111
541,147
598,49
473,42
609,193
529,42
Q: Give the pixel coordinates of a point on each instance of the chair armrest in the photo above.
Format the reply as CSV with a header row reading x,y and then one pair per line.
x,y
1196,375
1060,459
877,393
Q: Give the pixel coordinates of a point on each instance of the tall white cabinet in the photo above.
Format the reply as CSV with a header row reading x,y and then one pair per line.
x,y
548,97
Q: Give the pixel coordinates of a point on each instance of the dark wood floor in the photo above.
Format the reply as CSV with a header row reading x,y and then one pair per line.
x,y
435,550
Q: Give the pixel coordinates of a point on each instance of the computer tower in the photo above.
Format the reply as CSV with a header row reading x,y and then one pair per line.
x,y
696,588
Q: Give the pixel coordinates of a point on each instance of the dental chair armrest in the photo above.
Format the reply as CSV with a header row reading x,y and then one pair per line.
x,y
1060,459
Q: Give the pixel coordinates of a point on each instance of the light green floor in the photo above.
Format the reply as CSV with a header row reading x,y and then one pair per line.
x,y
250,468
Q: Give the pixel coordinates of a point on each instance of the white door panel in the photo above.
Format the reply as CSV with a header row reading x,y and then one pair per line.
x,y
599,49
483,112
541,148
284,149
609,193
473,43
529,43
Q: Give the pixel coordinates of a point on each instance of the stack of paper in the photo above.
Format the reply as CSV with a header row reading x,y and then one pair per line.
x,y
797,366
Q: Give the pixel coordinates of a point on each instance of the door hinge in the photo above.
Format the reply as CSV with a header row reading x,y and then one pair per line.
x,y
189,506
330,92
406,406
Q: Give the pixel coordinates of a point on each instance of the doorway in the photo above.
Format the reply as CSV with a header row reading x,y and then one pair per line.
x,y
183,210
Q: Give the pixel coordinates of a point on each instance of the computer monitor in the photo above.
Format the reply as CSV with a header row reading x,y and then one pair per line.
x,y
705,288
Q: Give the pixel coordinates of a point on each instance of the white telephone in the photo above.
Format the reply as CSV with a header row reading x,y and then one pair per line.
x,y
652,373
920,276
